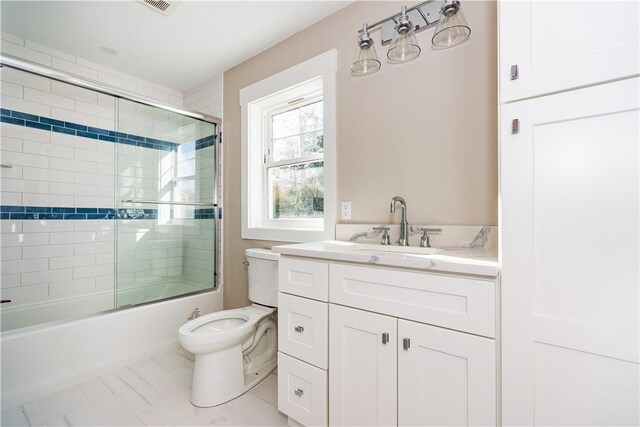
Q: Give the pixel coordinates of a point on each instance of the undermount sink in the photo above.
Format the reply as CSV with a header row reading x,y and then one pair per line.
x,y
395,250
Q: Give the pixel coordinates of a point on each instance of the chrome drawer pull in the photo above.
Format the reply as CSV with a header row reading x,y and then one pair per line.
x,y
515,126
385,337
299,329
406,343
515,72
299,392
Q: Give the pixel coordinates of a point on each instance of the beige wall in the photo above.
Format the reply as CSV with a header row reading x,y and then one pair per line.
x,y
425,130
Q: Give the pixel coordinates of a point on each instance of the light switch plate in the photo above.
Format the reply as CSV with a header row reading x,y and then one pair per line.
x,y
345,210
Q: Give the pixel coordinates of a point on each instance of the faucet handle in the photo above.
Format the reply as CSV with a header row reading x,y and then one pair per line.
x,y
424,240
426,230
386,240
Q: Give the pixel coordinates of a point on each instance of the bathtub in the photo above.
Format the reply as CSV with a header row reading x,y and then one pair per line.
x,y
42,359
42,312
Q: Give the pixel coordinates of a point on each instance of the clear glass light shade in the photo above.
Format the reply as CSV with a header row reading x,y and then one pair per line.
x,y
404,45
452,29
366,60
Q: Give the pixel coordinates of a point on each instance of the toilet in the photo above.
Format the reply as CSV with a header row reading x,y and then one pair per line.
x,y
236,349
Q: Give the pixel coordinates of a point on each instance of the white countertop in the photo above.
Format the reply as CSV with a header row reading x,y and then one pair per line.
x,y
478,261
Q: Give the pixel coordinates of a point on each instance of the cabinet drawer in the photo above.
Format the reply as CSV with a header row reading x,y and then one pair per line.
x,y
302,391
302,329
455,302
304,278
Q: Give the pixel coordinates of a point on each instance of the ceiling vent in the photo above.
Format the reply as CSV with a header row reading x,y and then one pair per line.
x,y
164,7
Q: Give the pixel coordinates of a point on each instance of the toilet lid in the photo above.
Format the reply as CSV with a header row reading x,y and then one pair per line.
x,y
219,325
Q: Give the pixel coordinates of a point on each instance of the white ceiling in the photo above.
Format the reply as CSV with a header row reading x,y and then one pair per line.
x,y
198,40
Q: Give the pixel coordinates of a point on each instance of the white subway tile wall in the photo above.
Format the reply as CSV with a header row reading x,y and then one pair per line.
x,y
59,259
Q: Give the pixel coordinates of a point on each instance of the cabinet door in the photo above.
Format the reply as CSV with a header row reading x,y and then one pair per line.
x,y
570,258
362,368
445,378
558,45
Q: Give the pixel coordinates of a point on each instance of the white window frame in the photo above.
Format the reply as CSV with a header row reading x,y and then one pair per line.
x,y
312,76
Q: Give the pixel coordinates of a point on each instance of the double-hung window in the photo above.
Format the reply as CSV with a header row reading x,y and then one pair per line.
x,y
288,154
294,161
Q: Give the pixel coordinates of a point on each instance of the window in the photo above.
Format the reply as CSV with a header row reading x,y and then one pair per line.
x,y
288,153
294,162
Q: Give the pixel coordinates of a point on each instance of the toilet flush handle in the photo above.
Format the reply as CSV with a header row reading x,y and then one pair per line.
x,y
246,263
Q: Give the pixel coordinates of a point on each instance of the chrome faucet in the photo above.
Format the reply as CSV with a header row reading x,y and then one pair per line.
x,y
404,224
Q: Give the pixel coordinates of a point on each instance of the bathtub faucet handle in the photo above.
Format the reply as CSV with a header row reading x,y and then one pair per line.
x,y
195,313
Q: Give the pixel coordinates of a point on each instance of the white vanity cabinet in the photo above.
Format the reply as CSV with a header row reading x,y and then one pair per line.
x,y
389,371
412,373
551,46
389,346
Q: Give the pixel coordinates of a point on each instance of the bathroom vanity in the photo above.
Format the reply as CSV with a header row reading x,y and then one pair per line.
x,y
381,335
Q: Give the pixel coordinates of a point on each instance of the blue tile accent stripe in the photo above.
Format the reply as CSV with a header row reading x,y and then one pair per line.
x,y
67,213
53,125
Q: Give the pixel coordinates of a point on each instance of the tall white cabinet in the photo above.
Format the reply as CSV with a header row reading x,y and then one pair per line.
x,y
570,213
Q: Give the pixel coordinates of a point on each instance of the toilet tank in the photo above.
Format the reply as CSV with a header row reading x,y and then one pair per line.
x,y
263,276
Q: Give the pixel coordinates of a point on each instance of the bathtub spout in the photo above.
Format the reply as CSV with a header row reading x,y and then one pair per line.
x,y
195,313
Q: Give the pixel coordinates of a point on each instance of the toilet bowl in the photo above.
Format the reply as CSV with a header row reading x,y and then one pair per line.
x,y
235,349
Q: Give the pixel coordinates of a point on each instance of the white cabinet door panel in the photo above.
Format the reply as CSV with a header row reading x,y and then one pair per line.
x,y
303,328
362,370
570,257
559,45
445,378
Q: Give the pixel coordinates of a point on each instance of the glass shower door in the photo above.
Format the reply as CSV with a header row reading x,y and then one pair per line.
x,y
166,222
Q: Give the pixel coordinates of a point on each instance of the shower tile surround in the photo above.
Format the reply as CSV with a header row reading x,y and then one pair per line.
x,y
57,199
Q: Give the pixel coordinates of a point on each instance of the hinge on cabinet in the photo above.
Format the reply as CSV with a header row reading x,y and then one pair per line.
x,y
515,72
515,126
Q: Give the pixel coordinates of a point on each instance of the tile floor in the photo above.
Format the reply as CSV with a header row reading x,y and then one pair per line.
x,y
153,392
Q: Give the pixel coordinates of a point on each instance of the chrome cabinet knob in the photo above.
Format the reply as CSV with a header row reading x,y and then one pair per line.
x,y
299,392
299,329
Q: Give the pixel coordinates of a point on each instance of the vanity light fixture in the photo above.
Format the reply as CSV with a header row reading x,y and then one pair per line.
x,y
399,31
366,61
404,46
452,28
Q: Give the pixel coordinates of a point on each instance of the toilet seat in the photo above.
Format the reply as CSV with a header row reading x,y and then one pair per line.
x,y
222,327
